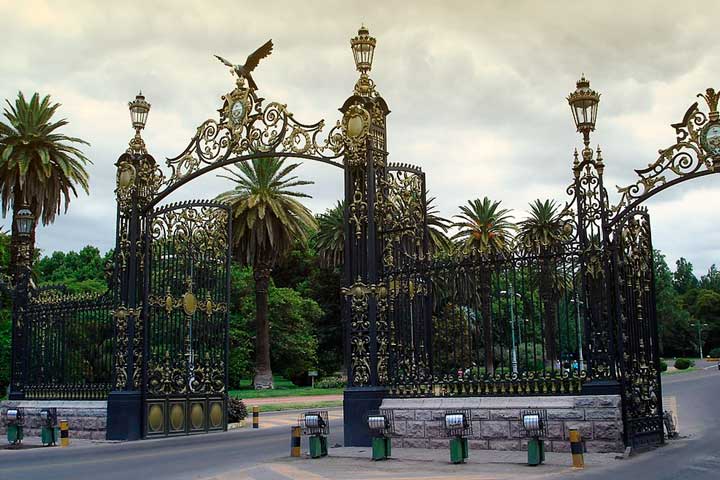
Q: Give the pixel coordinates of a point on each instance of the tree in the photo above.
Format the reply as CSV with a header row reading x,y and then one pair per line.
x,y
267,220
292,318
684,279
705,310
83,271
673,321
437,228
711,281
330,236
485,229
304,271
542,233
39,167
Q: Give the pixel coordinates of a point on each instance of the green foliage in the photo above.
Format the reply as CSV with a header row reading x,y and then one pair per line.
x,y
36,161
673,320
301,271
663,366
293,344
711,281
330,382
484,226
330,236
683,363
715,352
267,217
237,411
82,271
684,279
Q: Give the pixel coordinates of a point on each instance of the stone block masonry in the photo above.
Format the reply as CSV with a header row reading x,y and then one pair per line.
x,y
497,424
87,419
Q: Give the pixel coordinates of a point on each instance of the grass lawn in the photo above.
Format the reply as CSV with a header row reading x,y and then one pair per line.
x,y
297,406
283,388
676,372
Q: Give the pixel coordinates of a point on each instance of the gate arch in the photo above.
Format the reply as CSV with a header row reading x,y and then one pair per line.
x,y
247,128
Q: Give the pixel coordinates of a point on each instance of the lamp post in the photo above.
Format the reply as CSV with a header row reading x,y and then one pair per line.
x,y
511,294
579,332
584,104
139,109
363,48
699,326
24,223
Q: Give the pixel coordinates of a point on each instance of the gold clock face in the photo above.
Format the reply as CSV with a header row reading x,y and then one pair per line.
x,y
712,139
237,112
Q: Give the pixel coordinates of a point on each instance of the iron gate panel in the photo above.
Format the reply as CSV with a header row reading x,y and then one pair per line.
x,y
639,359
404,327
186,291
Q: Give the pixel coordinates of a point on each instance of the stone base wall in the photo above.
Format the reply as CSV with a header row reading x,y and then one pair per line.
x,y
87,419
497,424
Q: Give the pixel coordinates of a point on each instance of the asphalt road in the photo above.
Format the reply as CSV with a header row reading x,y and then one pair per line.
x,y
696,455
178,458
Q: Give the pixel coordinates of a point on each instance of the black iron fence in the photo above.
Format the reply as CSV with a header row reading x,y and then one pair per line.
x,y
480,325
66,347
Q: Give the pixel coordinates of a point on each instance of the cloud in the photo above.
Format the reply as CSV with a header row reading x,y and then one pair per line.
x,y
477,90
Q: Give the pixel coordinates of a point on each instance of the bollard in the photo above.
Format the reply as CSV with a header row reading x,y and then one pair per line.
x,y
64,433
576,448
295,441
256,416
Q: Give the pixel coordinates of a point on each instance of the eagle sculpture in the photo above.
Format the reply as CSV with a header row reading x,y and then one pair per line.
x,y
252,61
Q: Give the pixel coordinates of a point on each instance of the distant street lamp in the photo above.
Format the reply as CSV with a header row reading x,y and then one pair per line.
x,y
699,326
579,332
511,293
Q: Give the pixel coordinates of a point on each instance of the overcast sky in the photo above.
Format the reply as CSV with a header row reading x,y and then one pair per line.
x,y
477,91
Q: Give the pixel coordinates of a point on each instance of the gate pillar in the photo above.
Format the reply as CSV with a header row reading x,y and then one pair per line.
x,y
365,133
136,182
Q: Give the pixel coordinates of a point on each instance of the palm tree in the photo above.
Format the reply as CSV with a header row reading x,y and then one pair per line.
x,y
437,228
39,167
486,230
542,232
330,236
267,220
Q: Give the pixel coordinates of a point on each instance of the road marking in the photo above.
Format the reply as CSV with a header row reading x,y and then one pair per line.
x,y
292,472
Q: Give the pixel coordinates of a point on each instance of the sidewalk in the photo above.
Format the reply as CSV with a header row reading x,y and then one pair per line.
x,y
249,402
410,463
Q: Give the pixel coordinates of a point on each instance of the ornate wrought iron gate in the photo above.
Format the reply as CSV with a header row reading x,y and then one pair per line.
x,y
185,315
634,300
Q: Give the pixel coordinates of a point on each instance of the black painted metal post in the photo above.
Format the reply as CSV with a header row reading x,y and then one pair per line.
x,y
19,334
124,410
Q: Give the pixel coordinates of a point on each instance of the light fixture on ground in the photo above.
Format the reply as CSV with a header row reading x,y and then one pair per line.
x,y
458,427
535,425
14,423
317,426
49,431
382,425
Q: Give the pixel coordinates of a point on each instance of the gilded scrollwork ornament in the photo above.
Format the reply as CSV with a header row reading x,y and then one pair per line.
x,y
695,152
